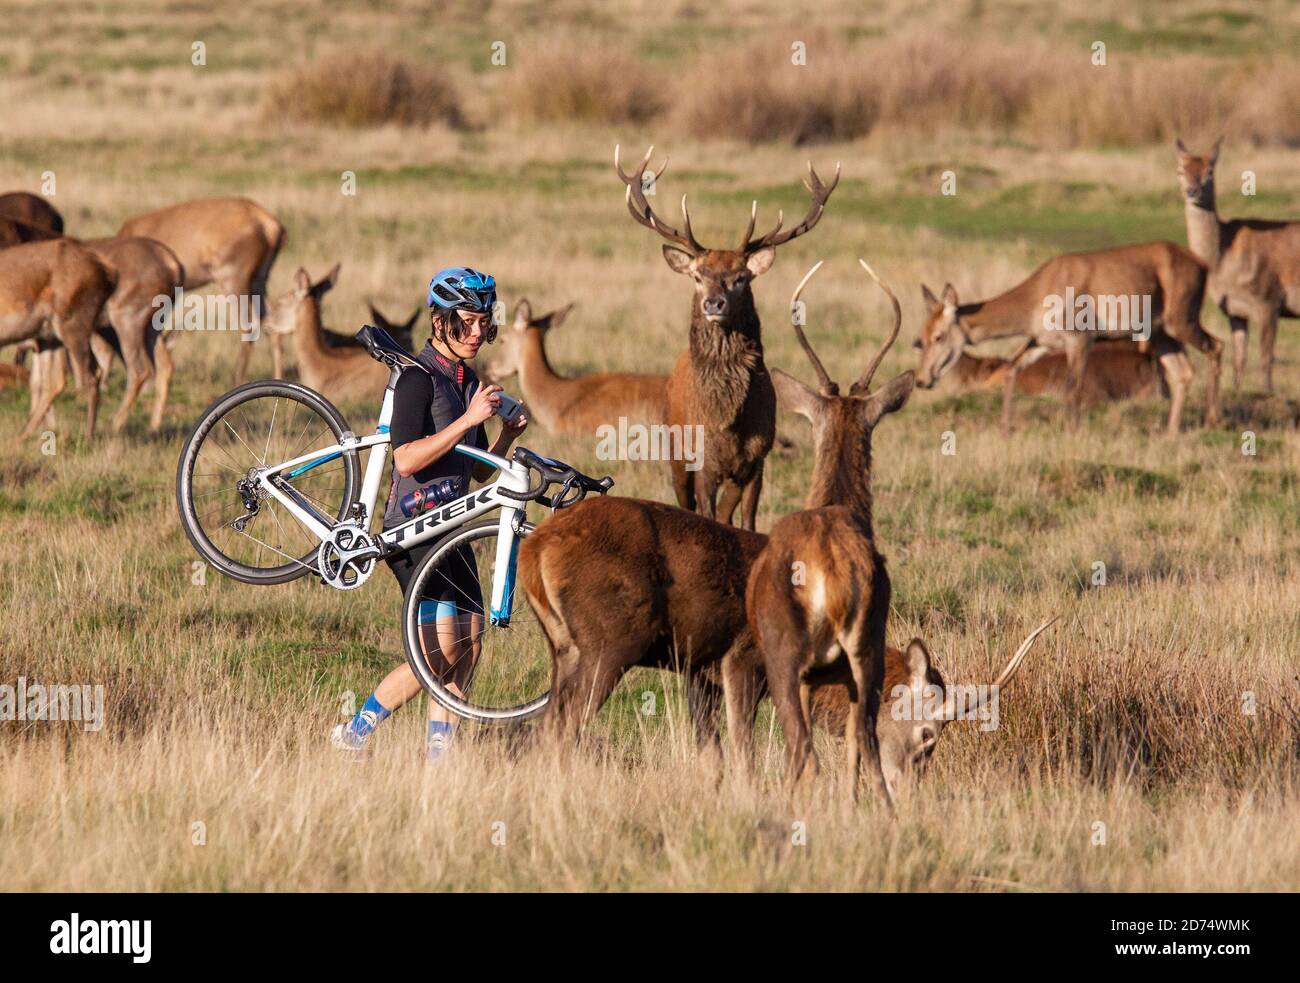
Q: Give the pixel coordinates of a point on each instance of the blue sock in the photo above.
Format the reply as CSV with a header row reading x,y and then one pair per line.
x,y
439,738
370,716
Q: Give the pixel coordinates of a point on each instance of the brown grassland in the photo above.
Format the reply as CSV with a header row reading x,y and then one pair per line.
x,y
1165,705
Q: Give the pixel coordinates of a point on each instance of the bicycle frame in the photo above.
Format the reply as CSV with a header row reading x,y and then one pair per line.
x,y
274,480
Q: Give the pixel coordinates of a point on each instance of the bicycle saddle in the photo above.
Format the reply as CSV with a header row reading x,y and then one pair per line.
x,y
383,347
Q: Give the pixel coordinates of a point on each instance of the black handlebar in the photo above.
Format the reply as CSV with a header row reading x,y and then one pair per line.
x,y
545,472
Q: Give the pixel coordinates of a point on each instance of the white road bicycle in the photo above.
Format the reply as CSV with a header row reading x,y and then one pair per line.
x,y
263,502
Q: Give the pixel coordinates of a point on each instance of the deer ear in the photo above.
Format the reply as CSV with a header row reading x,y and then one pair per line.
x,y
889,397
327,281
523,312
931,301
760,261
679,260
794,395
558,317
916,660
302,282
949,295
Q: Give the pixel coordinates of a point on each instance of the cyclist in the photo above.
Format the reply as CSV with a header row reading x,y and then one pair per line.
x,y
435,407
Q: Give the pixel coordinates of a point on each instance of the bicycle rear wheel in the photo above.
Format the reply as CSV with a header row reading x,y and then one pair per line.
x,y
479,671
244,430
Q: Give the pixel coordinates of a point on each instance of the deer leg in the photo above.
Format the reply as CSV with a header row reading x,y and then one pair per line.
x,y
85,374
162,383
1076,359
1239,327
864,738
731,492
704,699
1178,373
138,371
258,291
749,500
785,700
1267,343
47,382
683,486
742,684
706,494
1212,348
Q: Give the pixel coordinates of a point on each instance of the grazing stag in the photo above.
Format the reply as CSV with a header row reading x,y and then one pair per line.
x,y
720,381
1254,263
228,242
54,291
917,701
1116,370
1108,284
578,404
818,596
342,373
23,206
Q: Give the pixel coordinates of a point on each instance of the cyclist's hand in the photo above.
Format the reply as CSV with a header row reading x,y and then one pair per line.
x,y
483,405
512,430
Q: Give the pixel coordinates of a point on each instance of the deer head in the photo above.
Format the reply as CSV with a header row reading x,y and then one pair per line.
x,y
943,337
300,305
842,425
917,702
722,276
1196,174
510,350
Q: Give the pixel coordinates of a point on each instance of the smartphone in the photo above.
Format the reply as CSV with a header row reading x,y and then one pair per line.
x,y
509,408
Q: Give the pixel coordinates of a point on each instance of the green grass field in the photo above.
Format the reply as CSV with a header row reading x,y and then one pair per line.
x,y
1152,740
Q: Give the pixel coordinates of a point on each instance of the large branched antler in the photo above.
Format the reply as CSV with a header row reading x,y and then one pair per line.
x,y
828,386
820,193
640,208
864,384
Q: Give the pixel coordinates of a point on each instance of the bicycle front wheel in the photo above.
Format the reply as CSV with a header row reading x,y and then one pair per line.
x,y
480,671
249,428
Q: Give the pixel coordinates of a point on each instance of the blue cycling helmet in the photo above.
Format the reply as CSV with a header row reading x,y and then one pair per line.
x,y
458,288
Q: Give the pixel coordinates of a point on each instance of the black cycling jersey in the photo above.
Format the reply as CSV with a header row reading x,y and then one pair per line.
x,y
425,401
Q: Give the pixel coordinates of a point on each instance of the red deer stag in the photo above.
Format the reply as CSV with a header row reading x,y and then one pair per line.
x,y
228,242
818,596
720,382
578,404
1105,286
1254,263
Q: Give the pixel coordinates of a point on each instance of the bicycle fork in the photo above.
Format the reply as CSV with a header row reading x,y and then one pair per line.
x,y
503,568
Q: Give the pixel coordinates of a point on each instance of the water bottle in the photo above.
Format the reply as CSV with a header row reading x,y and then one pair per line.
x,y
428,497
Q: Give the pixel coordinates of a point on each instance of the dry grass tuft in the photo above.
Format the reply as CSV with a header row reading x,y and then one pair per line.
x,y
364,89
561,82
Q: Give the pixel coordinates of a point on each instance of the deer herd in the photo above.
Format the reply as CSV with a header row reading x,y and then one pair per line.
x,y
619,582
